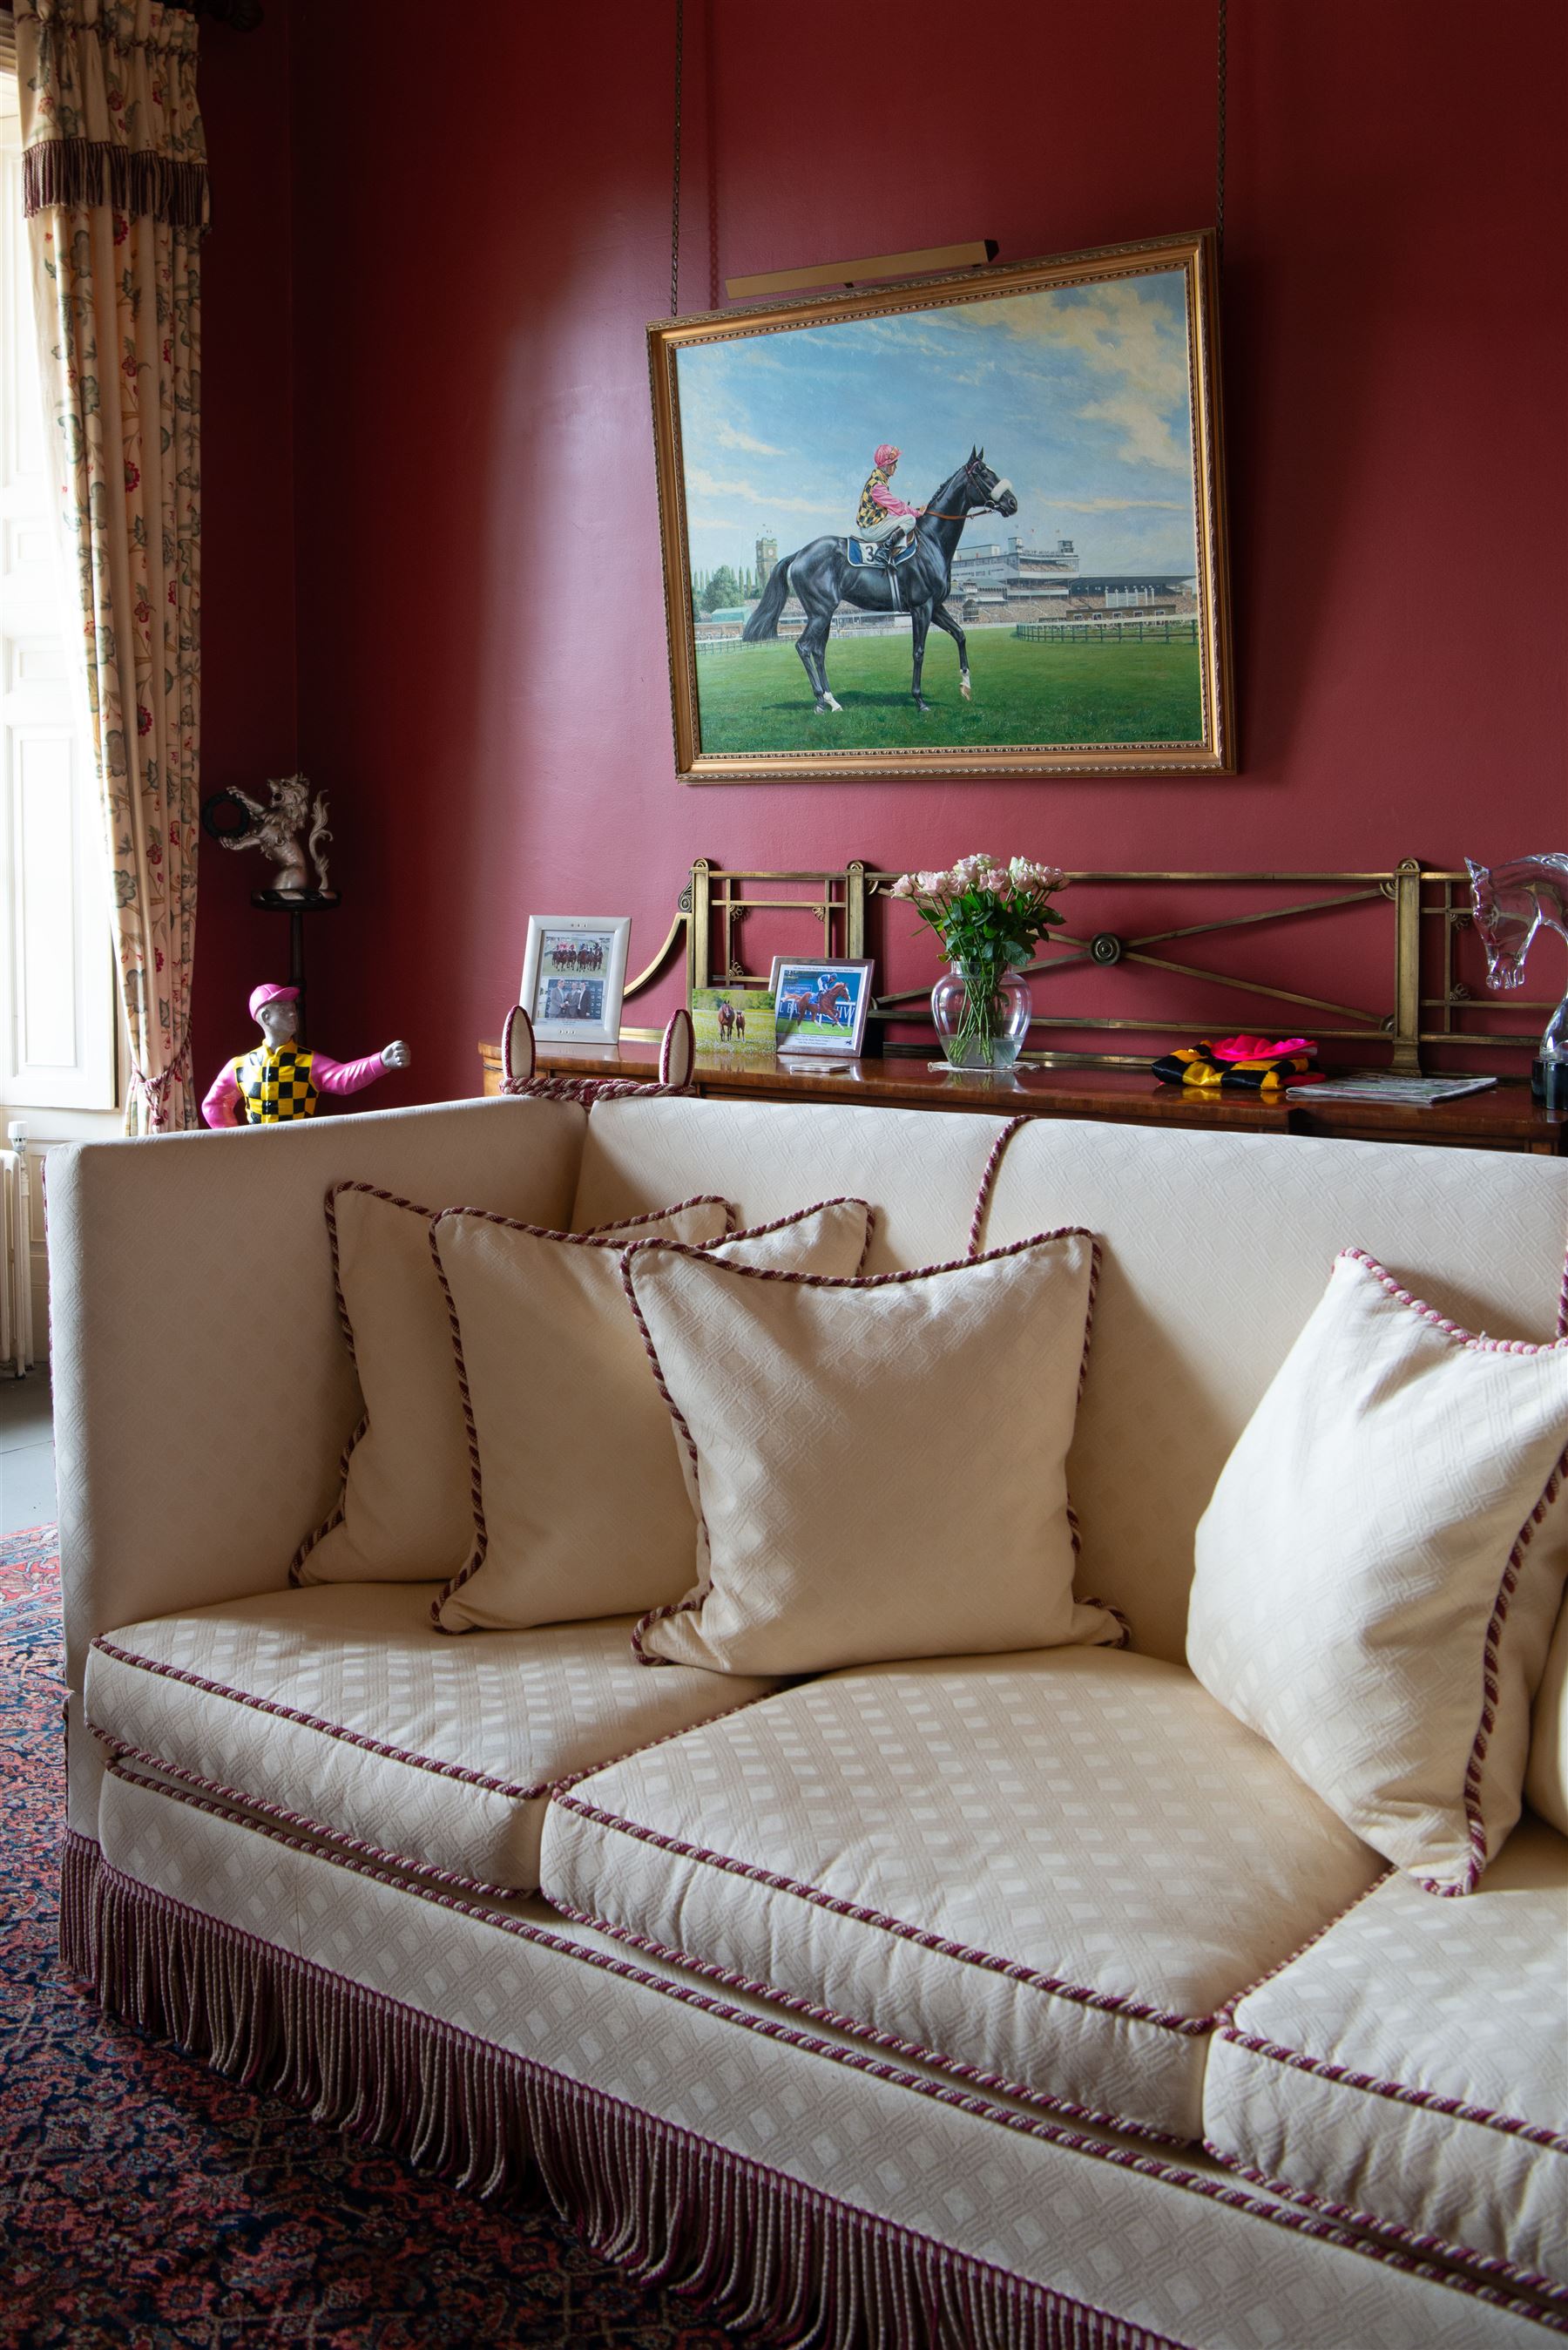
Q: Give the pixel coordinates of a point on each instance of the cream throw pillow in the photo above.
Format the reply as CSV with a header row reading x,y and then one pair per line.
x,y
1546,1771
880,1464
1378,1571
405,1513
579,1508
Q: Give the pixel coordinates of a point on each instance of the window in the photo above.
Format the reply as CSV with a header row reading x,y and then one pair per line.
x,y
59,1021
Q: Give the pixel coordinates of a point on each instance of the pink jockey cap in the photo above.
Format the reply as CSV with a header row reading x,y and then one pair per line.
x,y
270,994
887,455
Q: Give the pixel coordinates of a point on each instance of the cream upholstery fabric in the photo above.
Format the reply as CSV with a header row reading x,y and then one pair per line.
x,y
879,1464
1215,1249
345,1709
579,1508
1373,1579
1546,1769
1413,2063
922,1173
241,1322
405,1513
1051,1868
1170,2248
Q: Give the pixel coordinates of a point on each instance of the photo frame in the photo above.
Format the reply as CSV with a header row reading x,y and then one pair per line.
x,y
733,1023
1061,603
821,1004
574,976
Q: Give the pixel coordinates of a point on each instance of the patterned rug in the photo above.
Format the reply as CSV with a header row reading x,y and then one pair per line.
x,y
146,2205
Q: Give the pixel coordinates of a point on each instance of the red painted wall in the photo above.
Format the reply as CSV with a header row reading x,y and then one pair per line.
x,y
250,716
480,234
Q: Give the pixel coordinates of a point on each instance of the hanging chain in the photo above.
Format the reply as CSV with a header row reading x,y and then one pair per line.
x,y
675,177
675,187
1219,144
675,184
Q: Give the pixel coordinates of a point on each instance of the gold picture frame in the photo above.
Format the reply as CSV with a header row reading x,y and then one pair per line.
x,y
1118,350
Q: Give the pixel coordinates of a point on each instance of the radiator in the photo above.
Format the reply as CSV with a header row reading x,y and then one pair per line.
x,y
16,1264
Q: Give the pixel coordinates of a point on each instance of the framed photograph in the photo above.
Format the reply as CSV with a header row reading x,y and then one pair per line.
x,y
733,1023
967,525
820,1007
574,970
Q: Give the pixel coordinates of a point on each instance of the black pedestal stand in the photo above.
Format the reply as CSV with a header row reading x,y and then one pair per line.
x,y
309,902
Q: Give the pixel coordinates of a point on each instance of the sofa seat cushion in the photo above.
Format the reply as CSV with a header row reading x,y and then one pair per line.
x,y
1412,2067
342,1708
1043,1872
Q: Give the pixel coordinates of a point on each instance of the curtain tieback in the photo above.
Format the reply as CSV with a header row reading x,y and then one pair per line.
x,y
154,1091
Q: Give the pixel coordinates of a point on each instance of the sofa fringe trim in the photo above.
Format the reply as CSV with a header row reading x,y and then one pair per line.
x,y
80,1863
68,172
760,2250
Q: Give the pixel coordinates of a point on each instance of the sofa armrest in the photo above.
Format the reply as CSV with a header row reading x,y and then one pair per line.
x,y
203,1388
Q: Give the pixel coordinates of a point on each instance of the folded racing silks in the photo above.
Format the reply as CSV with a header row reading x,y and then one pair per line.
x,y
1265,1069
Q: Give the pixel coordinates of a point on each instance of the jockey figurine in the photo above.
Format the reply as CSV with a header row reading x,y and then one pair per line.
x,y
881,517
281,1080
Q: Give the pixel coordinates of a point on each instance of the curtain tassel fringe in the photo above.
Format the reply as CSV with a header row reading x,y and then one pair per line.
x,y
71,171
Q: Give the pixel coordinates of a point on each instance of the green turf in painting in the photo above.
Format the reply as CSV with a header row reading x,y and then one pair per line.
x,y
795,1029
755,698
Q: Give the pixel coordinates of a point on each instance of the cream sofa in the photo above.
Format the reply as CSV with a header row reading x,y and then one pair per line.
x,y
1023,2000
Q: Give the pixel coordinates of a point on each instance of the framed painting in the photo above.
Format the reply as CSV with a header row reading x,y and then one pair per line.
x,y
971,525
574,972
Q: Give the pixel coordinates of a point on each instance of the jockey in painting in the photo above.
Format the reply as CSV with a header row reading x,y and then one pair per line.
x,y
824,572
880,518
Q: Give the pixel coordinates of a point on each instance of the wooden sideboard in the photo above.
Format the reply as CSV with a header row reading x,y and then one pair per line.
x,y
1503,1117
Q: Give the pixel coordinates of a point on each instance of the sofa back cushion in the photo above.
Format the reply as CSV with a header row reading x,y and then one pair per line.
x,y
1215,1250
921,1174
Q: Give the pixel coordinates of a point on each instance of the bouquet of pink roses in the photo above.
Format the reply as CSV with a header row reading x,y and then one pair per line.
x,y
990,918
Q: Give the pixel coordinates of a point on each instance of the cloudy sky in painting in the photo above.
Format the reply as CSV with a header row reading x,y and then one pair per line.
x,y
1079,396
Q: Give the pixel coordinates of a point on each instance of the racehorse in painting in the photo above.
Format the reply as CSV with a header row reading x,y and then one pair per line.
x,y
822,575
830,1004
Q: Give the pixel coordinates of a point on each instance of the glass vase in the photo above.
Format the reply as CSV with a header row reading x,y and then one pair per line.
x,y
982,1022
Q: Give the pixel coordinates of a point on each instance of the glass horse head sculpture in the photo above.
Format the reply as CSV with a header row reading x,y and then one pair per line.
x,y
1512,902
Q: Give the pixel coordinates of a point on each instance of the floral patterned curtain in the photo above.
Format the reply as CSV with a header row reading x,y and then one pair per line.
x,y
115,187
